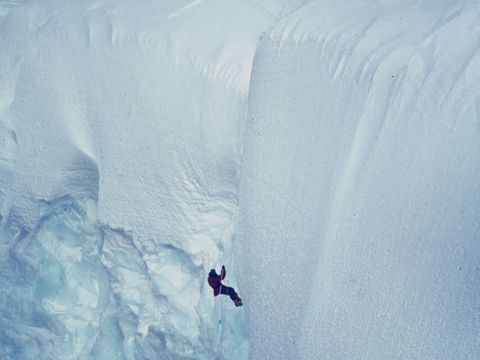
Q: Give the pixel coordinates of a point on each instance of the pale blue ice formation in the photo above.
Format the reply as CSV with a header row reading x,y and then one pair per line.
x,y
73,289
55,290
327,152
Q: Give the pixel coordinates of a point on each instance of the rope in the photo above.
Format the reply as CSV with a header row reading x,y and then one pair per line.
x,y
221,331
224,299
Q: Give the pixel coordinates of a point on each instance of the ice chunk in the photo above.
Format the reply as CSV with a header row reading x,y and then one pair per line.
x,y
54,286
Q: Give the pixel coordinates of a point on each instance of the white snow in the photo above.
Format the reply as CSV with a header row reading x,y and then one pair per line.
x,y
327,152
360,191
133,115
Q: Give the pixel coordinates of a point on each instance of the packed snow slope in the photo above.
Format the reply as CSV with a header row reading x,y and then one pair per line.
x,y
360,186
121,130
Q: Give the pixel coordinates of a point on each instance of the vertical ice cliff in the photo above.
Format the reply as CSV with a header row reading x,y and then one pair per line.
x,y
351,127
360,187
120,134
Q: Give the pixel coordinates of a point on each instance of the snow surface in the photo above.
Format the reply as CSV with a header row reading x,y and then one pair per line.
x,y
331,146
360,187
121,131
7,5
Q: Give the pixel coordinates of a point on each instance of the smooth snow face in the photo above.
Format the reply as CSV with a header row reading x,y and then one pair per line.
x,y
360,188
120,134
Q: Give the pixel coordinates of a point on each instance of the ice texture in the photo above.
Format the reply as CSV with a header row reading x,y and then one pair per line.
x,y
129,117
360,185
326,152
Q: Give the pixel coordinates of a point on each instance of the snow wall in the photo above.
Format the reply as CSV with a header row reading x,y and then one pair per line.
x,y
126,130
121,128
360,187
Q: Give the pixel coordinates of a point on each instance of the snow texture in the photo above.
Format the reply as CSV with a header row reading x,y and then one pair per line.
x,y
130,119
360,187
326,152
7,5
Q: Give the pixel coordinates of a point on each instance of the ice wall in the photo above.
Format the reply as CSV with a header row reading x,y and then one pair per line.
x,y
121,135
121,128
360,187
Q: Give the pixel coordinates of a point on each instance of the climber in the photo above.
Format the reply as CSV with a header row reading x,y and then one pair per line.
x,y
215,281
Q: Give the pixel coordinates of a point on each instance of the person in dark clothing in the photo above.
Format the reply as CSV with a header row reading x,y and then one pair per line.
x,y
215,281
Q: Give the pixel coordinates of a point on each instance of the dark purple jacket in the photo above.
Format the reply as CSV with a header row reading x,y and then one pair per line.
x,y
215,280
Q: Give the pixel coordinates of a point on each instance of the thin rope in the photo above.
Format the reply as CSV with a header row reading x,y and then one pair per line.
x,y
221,318
221,332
